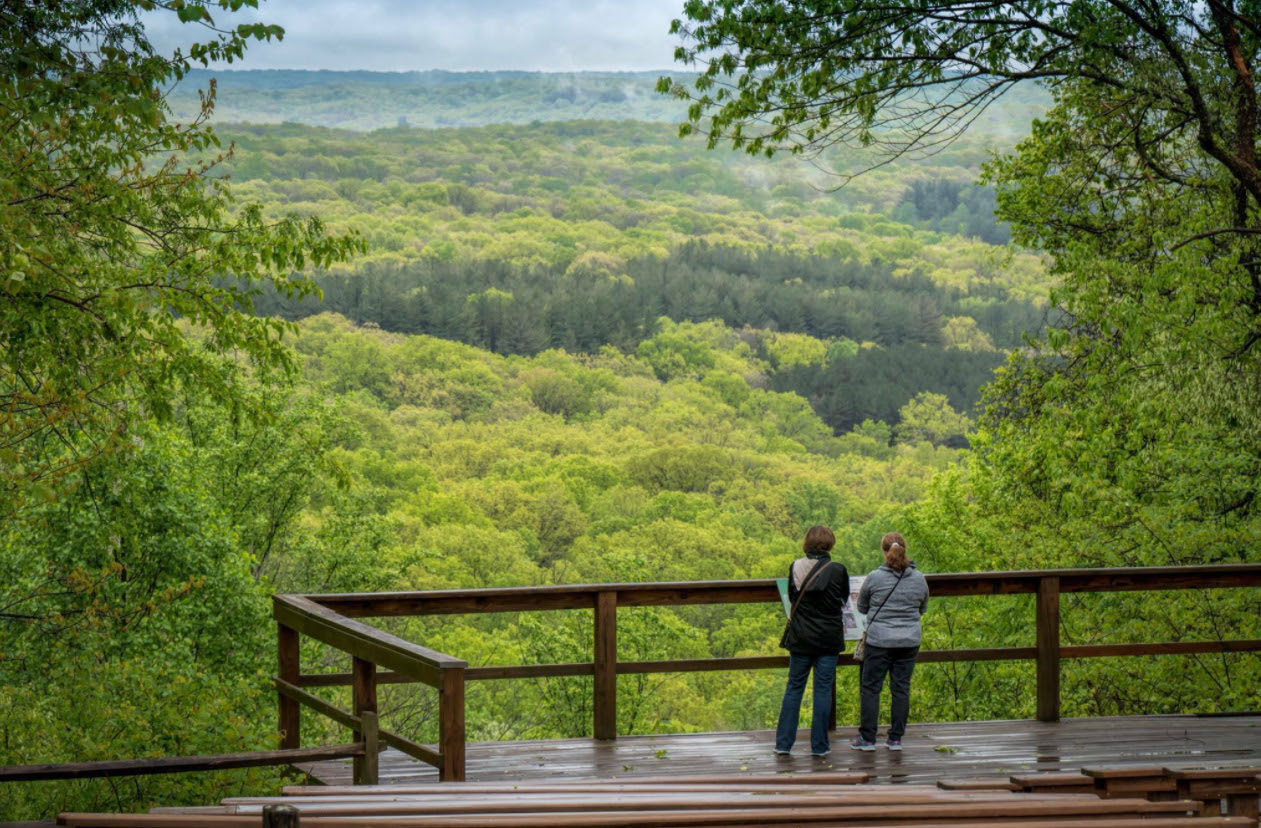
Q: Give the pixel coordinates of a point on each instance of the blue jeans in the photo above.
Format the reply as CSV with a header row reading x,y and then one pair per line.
x,y
790,710
897,663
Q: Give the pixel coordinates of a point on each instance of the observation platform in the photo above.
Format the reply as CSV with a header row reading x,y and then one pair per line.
x,y
344,623
349,629
952,750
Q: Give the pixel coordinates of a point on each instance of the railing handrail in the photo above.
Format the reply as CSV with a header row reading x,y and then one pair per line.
x,y
330,618
363,641
107,768
676,593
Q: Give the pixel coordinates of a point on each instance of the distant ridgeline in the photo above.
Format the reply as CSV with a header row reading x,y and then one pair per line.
x,y
372,100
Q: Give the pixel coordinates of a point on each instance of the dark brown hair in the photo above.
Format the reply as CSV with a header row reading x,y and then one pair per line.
x,y
894,547
818,539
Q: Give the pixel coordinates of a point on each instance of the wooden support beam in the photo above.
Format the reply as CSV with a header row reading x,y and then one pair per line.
x,y
1238,786
1157,648
605,706
180,764
371,741
289,668
1048,660
316,703
424,753
516,671
280,816
451,725
365,708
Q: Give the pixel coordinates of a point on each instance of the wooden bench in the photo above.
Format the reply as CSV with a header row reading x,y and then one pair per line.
x,y
1052,783
769,801
1151,783
816,778
976,784
543,807
883,817
848,793
1239,787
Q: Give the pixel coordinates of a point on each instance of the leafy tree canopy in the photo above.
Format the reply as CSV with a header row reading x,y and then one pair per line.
x,y
1134,426
911,77
930,417
115,233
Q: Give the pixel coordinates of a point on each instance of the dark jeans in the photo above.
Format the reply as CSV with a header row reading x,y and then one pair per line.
x,y
898,663
790,710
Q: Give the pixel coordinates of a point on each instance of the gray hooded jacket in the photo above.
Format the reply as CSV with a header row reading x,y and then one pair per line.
x,y
896,618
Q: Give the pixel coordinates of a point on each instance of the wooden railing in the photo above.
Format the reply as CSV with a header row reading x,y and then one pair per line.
x,y
369,649
331,619
175,764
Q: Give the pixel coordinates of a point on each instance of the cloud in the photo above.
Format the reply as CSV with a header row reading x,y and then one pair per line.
x,y
459,35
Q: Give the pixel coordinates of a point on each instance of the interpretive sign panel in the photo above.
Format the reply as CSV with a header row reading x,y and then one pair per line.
x,y
854,623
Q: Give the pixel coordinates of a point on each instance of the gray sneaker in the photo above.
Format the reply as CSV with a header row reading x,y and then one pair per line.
x,y
859,743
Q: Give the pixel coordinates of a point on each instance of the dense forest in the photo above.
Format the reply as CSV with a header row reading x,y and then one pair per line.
x,y
541,344
581,234
410,462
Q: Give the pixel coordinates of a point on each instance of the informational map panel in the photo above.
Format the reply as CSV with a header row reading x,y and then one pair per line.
x,y
782,583
854,623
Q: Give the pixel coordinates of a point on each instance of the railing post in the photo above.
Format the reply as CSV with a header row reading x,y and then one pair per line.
x,y
605,707
364,688
1049,649
451,725
280,816
289,669
368,763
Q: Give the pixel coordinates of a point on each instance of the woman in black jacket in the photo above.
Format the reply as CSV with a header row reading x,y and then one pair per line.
x,y
818,588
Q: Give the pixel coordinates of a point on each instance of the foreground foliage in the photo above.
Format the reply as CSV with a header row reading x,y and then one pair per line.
x,y
110,231
1130,432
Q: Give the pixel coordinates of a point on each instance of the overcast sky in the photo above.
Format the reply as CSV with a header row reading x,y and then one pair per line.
x,y
459,35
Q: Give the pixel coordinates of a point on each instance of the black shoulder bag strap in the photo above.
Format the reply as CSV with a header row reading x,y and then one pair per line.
x,y
872,619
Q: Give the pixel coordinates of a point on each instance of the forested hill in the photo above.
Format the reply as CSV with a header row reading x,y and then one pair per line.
x,y
372,100
580,234
520,222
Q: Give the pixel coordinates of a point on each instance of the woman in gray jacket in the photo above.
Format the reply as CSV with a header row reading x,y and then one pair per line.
x,y
893,598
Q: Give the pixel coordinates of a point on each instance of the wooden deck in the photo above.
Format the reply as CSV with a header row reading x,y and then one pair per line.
x,y
932,752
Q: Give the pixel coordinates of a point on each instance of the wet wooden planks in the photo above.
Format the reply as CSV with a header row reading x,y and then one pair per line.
x,y
931,752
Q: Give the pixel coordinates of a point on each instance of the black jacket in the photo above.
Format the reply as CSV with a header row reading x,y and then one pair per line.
x,y
816,627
